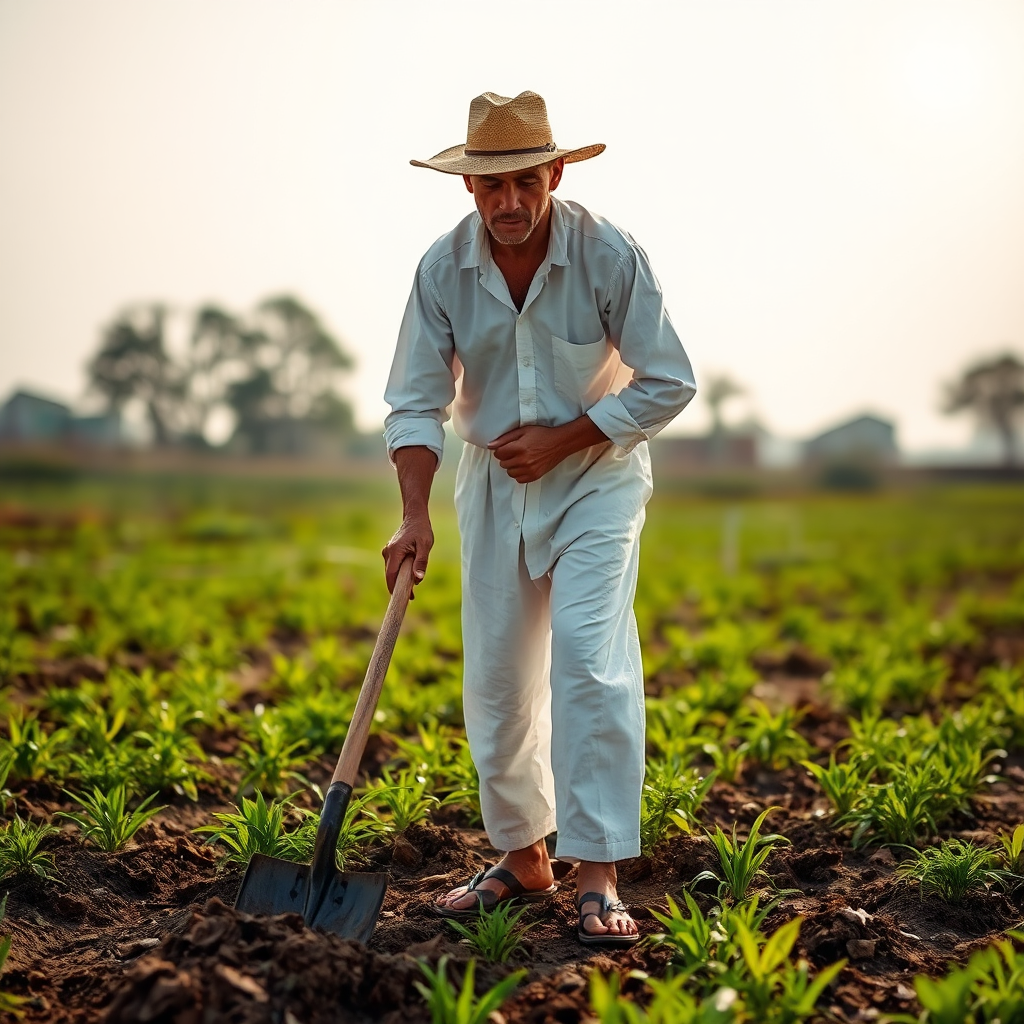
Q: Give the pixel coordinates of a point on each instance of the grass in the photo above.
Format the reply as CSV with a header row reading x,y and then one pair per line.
x,y
953,870
271,762
670,800
1012,853
741,861
9,1003
105,820
496,934
449,1004
841,782
255,826
20,840
404,798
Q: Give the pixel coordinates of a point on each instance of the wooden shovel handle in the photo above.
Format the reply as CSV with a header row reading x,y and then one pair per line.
x,y
373,682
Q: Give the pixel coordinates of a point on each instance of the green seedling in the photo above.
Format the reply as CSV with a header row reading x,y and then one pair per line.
x,y
693,938
772,740
94,730
669,1003
495,934
670,800
105,820
901,811
318,719
33,752
675,727
771,987
116,766
986,991
842,783
256,827
1012,855
742,862
432,753
15,649
729,760
360,829
166,756
953,870
451,1005
270,765
6,796
19,848
404,798
9,1003
462,782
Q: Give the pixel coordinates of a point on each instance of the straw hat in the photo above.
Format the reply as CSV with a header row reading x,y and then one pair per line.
x,y
505,134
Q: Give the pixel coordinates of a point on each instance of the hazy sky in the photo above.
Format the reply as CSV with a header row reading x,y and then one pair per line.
x,y
831,191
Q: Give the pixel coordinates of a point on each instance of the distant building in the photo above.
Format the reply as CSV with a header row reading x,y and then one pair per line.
x,y
27,418
867,437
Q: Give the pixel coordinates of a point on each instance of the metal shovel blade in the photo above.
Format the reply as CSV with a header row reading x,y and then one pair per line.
x,y
346,903
351,899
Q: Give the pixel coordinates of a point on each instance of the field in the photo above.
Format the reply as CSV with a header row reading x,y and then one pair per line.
x,y
833,818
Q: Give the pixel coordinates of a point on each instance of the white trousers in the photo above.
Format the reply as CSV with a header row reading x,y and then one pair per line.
x,y
553,693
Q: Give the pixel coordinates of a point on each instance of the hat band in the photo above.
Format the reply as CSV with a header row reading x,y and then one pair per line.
x,y
549,148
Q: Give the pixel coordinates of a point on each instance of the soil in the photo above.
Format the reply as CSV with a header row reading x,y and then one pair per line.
x,y
149,934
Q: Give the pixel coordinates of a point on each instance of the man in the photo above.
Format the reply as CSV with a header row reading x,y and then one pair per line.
x,y
543,326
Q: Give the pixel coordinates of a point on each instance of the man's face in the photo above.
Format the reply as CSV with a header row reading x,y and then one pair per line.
x,y
514,204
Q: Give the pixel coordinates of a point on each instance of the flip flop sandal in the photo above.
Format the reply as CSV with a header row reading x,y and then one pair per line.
x,y
487,899
605,907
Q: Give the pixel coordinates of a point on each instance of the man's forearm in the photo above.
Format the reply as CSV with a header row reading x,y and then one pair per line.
x,y
416,466
581,433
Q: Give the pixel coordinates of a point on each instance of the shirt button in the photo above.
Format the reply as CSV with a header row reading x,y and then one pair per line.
x,y
526,360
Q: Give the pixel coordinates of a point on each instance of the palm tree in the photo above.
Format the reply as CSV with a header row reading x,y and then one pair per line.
x,y
994,391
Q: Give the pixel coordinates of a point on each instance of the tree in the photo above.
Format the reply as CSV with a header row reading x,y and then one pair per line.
x,y
293,364
133,365
220,353
994,391
274,372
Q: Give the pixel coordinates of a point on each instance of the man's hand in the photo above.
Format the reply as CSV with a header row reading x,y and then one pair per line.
x,y
527,453
414,537
416,465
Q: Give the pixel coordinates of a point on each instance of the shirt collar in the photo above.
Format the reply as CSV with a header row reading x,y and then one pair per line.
x,y
558,249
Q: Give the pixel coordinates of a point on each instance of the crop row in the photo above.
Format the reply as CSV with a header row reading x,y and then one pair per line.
x,y
216,658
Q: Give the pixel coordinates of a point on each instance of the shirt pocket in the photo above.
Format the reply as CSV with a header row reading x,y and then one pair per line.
x,y
583,373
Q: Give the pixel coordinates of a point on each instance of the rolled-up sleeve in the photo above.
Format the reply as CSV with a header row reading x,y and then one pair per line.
x,y
639,326
421,386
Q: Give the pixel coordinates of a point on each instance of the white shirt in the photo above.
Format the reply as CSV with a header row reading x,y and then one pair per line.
x,y
593,337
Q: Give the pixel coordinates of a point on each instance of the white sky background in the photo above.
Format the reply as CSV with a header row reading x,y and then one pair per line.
x,y
831,191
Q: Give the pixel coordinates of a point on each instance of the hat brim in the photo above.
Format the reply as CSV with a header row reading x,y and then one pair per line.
x,y
455,161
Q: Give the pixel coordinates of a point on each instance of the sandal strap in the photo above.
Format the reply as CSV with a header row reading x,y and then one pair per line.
x,y
485,898
593,897
605,906
514,886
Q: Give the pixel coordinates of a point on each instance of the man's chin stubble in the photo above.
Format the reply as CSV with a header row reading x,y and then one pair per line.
x,y
503,239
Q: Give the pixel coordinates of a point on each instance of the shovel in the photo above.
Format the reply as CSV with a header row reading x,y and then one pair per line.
x,y
344,902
